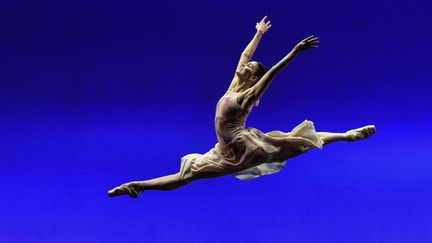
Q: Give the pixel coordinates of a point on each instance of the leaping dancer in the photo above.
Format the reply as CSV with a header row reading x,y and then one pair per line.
x,y
247,153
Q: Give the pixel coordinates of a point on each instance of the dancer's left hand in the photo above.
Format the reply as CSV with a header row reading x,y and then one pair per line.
x,y
307,43
263,26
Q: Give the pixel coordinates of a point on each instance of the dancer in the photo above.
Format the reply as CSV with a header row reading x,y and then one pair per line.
x,y
247,153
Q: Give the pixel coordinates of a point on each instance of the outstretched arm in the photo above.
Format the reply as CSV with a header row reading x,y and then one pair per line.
x,y
247,54
254,93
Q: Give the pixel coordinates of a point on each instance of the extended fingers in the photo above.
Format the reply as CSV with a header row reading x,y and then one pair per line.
x,y
313,44
312,41
263,19
308,43
315,39
308,38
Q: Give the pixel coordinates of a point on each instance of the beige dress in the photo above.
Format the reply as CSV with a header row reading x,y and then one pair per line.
x,y
247,153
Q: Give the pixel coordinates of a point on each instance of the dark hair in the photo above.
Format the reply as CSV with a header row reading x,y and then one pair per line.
x,y
262,70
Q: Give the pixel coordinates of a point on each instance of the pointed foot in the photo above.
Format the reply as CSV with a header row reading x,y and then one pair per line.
x,y
360,133
125,189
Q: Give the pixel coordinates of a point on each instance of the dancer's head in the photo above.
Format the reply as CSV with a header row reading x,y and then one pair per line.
x,y
261,71
251,72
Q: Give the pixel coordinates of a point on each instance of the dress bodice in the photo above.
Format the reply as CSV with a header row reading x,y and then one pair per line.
x,y
230,119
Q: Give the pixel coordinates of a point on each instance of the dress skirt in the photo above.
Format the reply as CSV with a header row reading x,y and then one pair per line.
x,y
252,153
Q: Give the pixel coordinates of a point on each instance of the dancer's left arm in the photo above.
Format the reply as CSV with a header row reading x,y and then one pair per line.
x,y
253,94
248,52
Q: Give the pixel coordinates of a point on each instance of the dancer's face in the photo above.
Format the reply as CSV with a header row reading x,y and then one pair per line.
x,y
247,71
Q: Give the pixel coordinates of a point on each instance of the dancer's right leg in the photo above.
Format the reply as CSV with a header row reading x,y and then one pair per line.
x,y
349,136
163,183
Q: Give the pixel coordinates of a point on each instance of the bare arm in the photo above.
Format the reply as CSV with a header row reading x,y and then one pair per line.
x,y
251,95
247,54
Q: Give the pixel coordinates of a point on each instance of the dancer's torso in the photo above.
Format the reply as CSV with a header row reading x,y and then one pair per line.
x,y
230,119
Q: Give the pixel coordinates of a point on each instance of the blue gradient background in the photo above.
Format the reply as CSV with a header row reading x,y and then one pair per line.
x,y
97,93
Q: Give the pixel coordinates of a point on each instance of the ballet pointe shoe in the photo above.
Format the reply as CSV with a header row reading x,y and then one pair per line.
x,y
360,133
125,189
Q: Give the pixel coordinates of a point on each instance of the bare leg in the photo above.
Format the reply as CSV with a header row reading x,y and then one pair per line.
x,y
349,136
163,183
330,137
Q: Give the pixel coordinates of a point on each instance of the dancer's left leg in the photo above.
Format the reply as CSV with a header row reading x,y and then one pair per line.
x,y
164,183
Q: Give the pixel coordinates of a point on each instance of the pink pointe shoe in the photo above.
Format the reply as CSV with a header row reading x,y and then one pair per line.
x,y
360,133
125,189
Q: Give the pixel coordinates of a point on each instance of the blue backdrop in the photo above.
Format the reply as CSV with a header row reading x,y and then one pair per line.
x,y
97,93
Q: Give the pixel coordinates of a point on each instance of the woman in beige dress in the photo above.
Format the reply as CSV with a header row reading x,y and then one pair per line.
x,y
247,153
